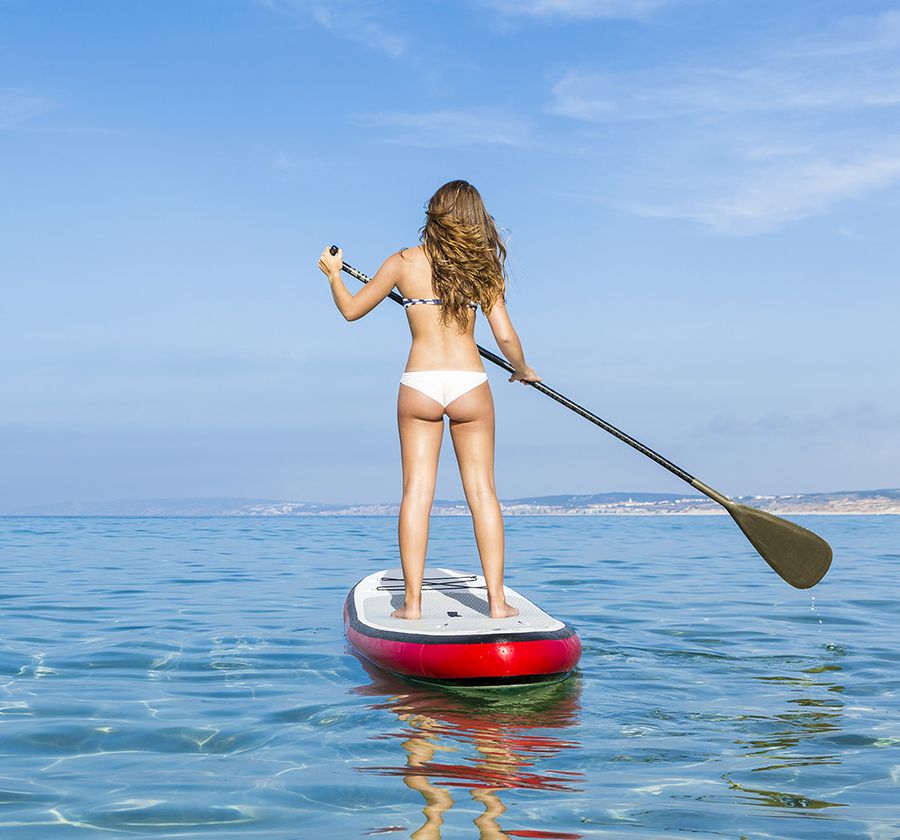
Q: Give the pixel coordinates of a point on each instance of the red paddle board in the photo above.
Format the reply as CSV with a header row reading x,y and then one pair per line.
x,y
456,642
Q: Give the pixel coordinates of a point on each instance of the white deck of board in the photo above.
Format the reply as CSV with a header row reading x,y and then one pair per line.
x,y
458,611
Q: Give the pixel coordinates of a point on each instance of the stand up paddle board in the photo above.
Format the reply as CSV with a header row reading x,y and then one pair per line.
x,y
456,642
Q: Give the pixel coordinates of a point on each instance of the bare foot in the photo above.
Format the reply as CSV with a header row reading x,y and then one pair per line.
x,y
503,611
407,612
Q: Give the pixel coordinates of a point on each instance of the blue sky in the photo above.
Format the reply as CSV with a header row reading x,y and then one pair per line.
x,y
701,199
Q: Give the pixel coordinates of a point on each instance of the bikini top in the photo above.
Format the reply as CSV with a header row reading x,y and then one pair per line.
x,y
407,302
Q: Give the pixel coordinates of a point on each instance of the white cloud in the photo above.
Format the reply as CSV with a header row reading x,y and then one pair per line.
x,y
578,9
451,128
746,145
17,107
771,197
285,162
350,19
673,93
814,75
854,36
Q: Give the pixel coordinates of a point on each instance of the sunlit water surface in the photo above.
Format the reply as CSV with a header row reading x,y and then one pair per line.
x,y
190,678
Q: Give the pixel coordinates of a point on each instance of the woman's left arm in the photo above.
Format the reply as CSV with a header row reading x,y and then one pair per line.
x,y
369,296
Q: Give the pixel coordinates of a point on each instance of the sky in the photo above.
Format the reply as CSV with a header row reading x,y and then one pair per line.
x,y
700,198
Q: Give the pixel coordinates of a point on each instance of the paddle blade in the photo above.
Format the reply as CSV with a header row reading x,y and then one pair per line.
x,y
796,554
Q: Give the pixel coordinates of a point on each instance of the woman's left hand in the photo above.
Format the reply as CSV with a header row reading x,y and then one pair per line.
x,y
330,264
525,376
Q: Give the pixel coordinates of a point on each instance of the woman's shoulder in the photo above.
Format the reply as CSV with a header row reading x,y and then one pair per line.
x,y
402,265
399,260
411,253
410,261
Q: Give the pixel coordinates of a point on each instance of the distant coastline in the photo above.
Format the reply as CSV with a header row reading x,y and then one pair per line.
x,y
854,502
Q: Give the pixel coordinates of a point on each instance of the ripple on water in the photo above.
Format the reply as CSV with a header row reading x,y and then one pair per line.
x,y
188,678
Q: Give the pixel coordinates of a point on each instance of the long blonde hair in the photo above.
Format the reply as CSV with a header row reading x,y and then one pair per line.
x,y
467,255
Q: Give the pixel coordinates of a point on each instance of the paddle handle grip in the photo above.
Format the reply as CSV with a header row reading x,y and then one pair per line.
x,y
684,475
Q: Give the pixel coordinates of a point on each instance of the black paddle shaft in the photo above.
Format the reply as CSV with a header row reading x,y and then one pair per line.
x,y
684,475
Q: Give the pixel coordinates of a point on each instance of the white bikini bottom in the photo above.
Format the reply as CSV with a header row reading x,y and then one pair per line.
x,y
443,386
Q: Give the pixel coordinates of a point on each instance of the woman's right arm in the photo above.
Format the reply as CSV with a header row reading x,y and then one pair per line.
x,y
354,306
508,341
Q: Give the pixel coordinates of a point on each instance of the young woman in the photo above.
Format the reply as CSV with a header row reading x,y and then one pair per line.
x,y
458,268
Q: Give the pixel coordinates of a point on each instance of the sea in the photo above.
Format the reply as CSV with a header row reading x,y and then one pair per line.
x,y
190,678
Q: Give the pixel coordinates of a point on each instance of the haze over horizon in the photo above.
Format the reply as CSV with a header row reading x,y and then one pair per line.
x,y
877,501
700,198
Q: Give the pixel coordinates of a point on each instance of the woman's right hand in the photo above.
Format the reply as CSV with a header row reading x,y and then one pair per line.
x,y
525,375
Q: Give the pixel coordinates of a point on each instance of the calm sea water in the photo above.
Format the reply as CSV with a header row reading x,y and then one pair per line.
x,y
189,678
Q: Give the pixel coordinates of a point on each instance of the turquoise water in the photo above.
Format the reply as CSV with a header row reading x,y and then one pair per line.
x,y
189,678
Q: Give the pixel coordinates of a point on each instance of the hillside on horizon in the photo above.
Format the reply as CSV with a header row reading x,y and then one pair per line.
x,y
880,501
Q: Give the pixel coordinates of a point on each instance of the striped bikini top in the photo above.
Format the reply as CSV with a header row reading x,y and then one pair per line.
x,y
407,302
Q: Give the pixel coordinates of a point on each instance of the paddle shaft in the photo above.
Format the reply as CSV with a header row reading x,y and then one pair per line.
x,y
684,475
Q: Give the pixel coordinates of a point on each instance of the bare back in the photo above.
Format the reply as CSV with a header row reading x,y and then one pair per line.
x,y
434,346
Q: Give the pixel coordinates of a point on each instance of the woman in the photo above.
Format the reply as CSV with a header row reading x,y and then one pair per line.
x,y
458,268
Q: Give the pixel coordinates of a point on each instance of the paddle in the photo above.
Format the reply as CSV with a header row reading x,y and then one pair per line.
x,y
799,556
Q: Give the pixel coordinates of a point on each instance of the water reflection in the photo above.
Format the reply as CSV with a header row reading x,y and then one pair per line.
x,y
794,740
777,799
486,741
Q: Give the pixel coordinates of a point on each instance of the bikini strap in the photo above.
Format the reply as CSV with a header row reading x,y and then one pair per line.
x,y
407,302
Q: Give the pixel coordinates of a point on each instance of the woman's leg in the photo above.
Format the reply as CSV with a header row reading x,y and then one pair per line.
x,y
421,423
472,430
